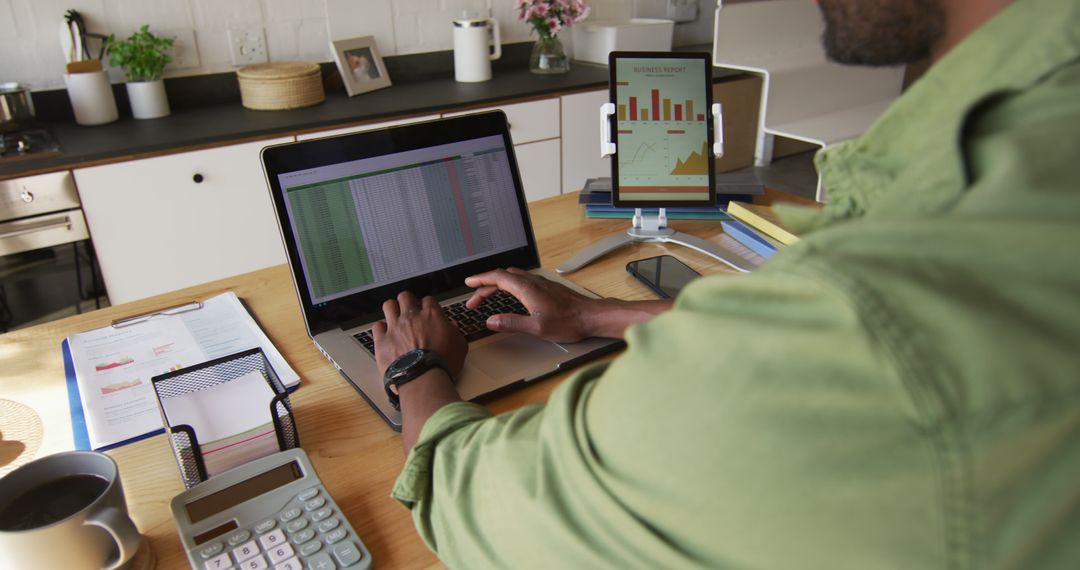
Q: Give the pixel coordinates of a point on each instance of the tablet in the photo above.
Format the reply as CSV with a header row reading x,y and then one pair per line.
x,y
663,130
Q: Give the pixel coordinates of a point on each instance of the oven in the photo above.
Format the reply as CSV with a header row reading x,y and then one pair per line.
x,y
47,263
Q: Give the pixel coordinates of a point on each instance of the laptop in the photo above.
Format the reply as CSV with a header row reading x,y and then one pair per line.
x,y
418,207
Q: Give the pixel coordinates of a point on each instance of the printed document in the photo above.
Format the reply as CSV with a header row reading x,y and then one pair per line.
x,y
113,365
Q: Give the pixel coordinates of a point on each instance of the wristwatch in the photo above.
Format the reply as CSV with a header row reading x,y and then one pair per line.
x,y
408,367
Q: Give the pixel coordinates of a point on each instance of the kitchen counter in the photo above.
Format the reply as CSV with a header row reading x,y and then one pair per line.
x,y
230,123
423,84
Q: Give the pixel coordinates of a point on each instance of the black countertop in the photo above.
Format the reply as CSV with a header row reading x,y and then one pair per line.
x,y
230,122
423,84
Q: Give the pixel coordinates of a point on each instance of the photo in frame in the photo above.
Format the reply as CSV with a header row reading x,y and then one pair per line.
x,y
361,68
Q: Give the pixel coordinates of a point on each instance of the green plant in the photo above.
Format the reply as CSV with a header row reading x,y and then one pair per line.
x,y
142,56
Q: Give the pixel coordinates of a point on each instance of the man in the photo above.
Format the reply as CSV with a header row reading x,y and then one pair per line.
x,y
899,389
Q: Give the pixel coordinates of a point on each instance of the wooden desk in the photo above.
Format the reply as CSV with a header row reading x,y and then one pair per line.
x,y
357,456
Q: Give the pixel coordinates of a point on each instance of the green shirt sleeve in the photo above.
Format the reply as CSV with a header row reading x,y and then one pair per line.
x,y
898,389
680,453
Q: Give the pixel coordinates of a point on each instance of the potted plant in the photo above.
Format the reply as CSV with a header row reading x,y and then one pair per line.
x,y
143,59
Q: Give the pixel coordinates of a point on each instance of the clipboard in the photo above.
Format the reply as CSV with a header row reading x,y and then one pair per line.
x,y
166,312
189,328
80,435
183,437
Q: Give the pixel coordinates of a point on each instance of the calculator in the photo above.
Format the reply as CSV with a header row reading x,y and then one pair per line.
x,y
271,513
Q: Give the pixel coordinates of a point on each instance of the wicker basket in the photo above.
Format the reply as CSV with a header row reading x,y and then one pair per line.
x,y
280,86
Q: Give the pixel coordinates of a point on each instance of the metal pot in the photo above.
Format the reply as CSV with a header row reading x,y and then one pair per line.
x,y
16,107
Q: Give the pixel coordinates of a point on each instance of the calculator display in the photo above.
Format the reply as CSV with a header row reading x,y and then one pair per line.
x,y
229,497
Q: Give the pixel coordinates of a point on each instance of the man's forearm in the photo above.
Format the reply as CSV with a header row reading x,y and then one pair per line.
x,y
611,317
420,399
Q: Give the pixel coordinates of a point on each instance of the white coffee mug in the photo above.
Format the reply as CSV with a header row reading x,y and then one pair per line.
x,y
66,511
472,53
91,98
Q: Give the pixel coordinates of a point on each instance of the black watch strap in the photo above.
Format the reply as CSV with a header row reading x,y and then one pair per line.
x,y
409,367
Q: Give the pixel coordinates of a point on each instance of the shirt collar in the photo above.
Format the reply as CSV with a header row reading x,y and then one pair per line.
x,y
917,140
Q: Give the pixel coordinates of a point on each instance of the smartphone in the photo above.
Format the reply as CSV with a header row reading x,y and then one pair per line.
x,y
664,274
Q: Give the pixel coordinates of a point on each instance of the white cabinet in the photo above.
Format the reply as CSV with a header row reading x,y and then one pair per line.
x,y
529,122
365,127
161,224
538,163
581,139
534,129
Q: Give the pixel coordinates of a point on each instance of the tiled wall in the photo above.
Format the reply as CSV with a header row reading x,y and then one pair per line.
x,y
295,29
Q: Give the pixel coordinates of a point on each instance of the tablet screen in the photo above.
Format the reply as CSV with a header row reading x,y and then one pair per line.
x,y
662,127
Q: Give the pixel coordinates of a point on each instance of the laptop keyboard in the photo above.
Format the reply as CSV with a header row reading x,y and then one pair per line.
x,y
471,322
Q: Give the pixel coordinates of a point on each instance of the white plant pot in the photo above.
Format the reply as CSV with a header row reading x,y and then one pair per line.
x,y
148,100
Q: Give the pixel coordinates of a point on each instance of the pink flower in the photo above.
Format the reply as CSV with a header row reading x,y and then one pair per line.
x,y
537,11
548,17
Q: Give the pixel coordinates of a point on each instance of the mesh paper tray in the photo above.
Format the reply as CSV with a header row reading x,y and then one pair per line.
x,y
184,442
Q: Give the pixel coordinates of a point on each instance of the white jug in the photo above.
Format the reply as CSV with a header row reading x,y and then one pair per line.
x,y
472,56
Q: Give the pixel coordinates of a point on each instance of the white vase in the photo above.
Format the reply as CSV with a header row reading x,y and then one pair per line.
x,y
148,100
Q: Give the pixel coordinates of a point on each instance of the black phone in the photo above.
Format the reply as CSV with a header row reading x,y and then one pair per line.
x,y
664,274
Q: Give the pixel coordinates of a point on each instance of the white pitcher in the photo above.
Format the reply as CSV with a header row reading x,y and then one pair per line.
x,y
472,55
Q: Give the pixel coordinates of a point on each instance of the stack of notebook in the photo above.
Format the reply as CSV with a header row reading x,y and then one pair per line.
x,y
757,228
596,196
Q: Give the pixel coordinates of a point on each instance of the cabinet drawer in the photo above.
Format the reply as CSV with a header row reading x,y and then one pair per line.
x,y
161,224
529,122
365,127
538,164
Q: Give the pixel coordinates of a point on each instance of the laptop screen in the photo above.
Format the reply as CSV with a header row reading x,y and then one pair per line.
x,y
416,207
367,223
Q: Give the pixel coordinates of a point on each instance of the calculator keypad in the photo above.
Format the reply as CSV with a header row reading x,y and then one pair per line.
x,y
311,536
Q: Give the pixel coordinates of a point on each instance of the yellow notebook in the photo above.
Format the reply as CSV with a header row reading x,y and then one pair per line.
x,y
761,218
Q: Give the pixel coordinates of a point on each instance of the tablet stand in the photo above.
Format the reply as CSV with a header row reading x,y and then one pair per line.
x,y
649,228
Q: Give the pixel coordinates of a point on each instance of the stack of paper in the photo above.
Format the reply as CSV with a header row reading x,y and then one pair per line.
x,y
763,219
109,369
758,243
232,421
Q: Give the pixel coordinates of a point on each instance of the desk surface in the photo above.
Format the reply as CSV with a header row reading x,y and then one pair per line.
x,y
356,455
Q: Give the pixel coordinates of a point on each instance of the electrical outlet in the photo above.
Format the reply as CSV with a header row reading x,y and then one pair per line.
x,y
184,52
247,45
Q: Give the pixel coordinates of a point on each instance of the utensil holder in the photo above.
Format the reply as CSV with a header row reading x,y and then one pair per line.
x,y
91,98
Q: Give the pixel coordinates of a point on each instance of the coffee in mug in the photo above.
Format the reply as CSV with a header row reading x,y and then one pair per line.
x,y
65,511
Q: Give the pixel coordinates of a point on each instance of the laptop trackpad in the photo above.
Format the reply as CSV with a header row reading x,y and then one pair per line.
x,y
514,355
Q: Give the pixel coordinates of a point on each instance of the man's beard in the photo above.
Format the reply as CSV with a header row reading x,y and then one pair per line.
x,y
881,32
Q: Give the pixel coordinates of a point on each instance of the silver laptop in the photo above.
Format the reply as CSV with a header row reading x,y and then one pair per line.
x,y
416,207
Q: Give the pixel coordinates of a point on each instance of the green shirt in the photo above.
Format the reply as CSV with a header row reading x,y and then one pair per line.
x,y
900,389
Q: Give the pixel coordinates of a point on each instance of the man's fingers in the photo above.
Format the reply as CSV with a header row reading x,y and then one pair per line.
x,y
378,330
487,278
408,302
430,304
509,322
390,309
479,295
510,280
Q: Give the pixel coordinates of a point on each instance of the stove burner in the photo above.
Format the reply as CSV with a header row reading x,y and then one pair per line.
x,y
31,141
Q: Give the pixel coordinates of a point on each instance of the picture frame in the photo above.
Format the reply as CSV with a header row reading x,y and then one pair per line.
x,y
361,67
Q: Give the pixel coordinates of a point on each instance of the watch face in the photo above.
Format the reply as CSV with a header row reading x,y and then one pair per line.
x,y
407,360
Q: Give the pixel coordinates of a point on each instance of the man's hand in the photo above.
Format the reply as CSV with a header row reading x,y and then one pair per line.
x,y
412,324
557,313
